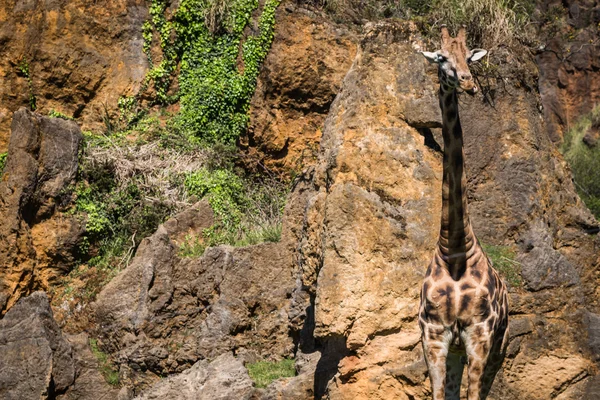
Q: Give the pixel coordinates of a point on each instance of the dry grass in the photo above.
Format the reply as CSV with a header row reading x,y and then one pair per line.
x,y
157,171
490,23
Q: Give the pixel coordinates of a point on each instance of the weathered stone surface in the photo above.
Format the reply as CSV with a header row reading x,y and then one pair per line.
x,y
299,79
373,216
89,382
569,81
224,378
35,360
163,312
36,240
80,56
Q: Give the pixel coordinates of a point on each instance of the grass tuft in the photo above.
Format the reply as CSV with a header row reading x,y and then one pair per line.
x,y
265,372
503,260
107,368
2,161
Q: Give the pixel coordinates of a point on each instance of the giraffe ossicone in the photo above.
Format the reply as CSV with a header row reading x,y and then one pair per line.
x,y
463,313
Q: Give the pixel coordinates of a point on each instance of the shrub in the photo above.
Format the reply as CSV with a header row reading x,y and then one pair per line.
x,y
247,211
265,372
584,159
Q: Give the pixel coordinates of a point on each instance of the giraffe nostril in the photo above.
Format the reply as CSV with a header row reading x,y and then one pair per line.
x,y
465,77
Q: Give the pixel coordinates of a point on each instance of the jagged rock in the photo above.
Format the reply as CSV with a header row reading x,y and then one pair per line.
x,y
35,360
164,312
36,242
371,226
224,378
80,56
89,383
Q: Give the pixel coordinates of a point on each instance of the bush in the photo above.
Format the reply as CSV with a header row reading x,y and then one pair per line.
x,y
57,114
584,159
248,211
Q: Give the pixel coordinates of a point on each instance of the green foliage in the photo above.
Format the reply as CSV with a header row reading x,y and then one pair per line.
x,y
116,216
223,189
107,368
265,372
57,114
503,259
584,159
218,66
247,211
24,71
2,161
192,246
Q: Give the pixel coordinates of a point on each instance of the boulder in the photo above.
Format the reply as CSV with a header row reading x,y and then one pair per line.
x,y
37,241
223,378
35,360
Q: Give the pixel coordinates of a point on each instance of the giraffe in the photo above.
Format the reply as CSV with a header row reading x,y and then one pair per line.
x,y
463,312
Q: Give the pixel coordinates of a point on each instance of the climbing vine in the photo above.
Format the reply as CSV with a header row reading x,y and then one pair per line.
x,y
216,66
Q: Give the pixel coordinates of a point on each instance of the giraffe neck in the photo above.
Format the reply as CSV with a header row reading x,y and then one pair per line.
x,y
456,240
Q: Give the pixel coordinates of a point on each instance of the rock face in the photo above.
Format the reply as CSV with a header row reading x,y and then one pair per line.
x,y
373,216
299,80
89,382
35,360
79,55
163,313
569,81
37,242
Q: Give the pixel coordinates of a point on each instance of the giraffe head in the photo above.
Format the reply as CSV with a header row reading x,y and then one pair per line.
x,y
453,60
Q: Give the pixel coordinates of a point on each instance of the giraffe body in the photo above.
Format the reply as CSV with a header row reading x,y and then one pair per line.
x,y
463,312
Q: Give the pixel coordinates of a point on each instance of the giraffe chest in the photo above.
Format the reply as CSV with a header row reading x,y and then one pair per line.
x,y
447,302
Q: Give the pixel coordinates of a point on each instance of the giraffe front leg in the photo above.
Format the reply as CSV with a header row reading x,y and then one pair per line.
x,y
478,350
435,350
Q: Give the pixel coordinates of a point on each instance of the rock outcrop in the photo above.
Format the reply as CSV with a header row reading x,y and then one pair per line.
x,y
75,57
37,240
35,360
165,312
372,220
299,79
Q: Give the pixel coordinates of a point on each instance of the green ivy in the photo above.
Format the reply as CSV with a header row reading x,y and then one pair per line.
x,y
217,71
57,114
23,70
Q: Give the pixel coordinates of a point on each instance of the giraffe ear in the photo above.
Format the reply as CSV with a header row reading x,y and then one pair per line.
x,y
476,55
432,57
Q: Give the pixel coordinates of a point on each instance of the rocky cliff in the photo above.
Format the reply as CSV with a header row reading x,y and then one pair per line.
x,y
74,57
339,292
